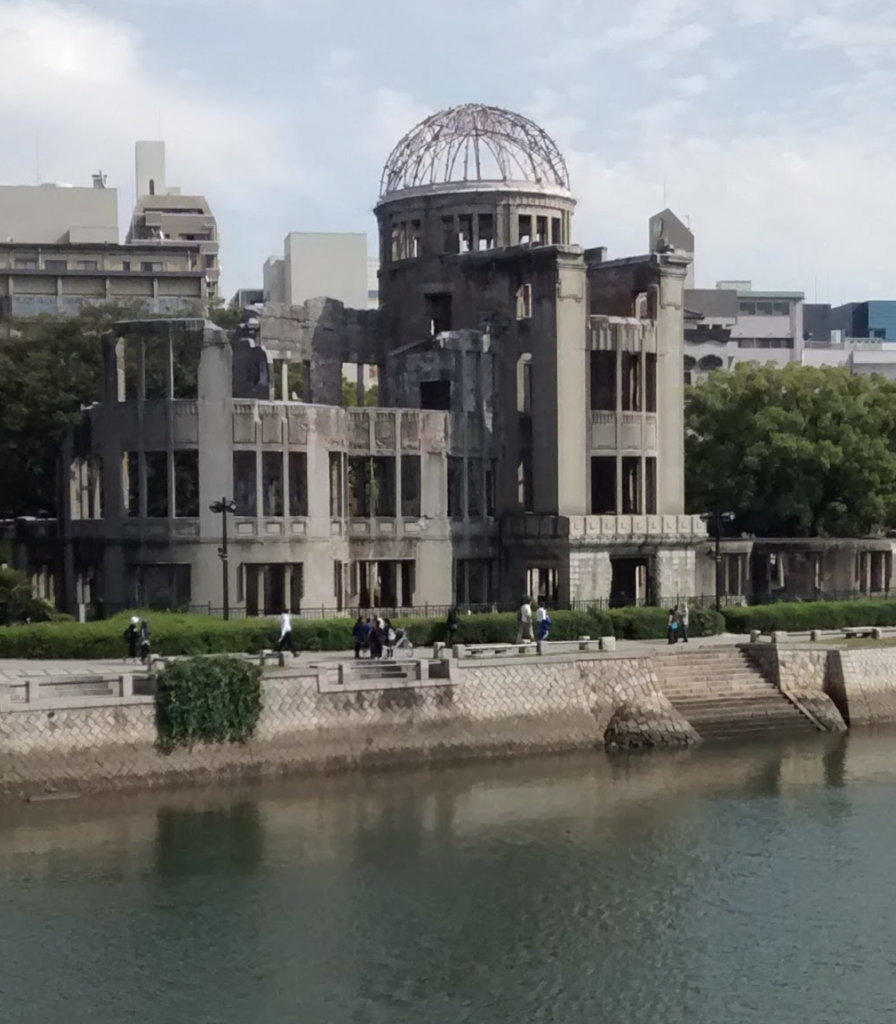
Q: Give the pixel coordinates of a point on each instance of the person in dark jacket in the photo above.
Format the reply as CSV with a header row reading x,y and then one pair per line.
x,y
377,636
132,638
452,623
361,635
672,627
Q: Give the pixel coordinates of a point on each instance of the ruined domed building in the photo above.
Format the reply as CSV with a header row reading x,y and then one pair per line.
x,y
513,422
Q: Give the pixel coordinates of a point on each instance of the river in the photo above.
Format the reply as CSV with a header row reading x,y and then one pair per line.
x,y
736,885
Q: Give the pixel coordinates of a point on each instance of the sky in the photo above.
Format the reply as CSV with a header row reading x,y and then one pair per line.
x,y
766,124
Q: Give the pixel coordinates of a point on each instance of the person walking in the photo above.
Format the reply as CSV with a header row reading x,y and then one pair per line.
x,y
524,632
684,618
452,624
144,642
542,622
132,638
390,638
672,627
286,633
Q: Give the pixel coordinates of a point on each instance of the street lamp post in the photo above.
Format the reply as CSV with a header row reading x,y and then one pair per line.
x,y
717,519
224,508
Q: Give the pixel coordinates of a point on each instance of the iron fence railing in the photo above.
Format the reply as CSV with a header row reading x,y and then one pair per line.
x,y
433,611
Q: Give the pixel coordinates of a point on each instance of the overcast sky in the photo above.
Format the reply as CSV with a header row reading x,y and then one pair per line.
x,y
768,123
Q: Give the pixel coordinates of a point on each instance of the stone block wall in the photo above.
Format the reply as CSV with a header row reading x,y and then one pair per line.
x,y
508,706
802,675
864,679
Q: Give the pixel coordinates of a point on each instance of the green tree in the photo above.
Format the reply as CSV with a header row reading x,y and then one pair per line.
x,y
350,394
227,317
49,368
793,452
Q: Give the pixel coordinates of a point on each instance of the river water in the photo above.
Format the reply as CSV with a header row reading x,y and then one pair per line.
x,y
738,885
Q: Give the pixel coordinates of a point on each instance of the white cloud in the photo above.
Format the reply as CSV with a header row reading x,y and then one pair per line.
x,y
691,85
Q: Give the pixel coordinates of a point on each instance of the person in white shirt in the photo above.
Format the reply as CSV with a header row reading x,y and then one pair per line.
x,y
525,621
286,633
543,622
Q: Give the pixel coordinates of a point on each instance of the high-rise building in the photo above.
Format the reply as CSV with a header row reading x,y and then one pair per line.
x,y
164,216
315,265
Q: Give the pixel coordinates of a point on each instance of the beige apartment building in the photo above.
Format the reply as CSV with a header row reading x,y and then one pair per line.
x,y
60,248
528,434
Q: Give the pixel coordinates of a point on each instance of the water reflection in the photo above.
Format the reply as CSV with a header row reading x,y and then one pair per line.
x,y
735,885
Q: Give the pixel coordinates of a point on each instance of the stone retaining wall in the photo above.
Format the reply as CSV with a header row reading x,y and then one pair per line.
x,y
507,706
864,680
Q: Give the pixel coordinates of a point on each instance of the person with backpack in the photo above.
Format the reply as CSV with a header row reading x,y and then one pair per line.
x,y
361,636
390,638
672,627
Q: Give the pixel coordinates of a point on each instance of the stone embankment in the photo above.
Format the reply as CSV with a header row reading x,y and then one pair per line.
x,y
91,732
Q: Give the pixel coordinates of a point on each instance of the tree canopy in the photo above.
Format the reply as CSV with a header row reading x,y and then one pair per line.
x,y
793,452
49,367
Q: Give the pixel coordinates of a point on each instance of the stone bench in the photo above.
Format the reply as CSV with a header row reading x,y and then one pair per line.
x,y
583,644
493,650
860,632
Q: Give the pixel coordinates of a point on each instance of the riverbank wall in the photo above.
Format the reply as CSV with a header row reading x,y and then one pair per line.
x,y
319,718
93,734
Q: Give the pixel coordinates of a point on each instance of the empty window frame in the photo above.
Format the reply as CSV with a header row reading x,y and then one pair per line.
x,y
298,484
541,230
337,485
449,235
556,231
245,483
486,232
650,497
631,486
465,232
525,482
455,487
157,506
130,484
525,229
410,487
435,395
603,485
603,380
438,313
186,484
524,302
650,382
475,486
631,382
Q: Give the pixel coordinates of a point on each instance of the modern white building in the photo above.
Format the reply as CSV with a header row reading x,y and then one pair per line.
x,y
318,264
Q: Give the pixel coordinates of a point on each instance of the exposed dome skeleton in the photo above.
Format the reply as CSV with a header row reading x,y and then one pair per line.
x,y
474,143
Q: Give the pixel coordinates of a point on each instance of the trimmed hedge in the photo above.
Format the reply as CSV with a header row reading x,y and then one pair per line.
x,y
800,616
174,634
208,700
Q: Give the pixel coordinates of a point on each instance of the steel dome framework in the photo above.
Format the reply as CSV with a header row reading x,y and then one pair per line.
x,y
474,143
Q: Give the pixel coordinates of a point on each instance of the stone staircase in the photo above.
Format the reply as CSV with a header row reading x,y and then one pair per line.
x,y
725,696
382,670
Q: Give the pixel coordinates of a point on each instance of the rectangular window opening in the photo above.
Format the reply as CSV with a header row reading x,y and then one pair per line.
x,y
465,232
435,395
186,484
383,476
474,488
272,483
438,313
130,484
524,302
525,229
631,382
556,231
298,484
449,235
410,487
631,486
157,506
650,486
650,383
526,494
337,489
455,487
541,230
245,482
603,485
603,380
360,385
486,231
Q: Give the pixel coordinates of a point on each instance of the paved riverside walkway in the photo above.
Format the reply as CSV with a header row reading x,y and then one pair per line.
x,y
17,668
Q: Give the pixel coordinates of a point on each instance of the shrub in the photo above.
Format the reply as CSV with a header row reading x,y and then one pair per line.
x,y
208,700
798,616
